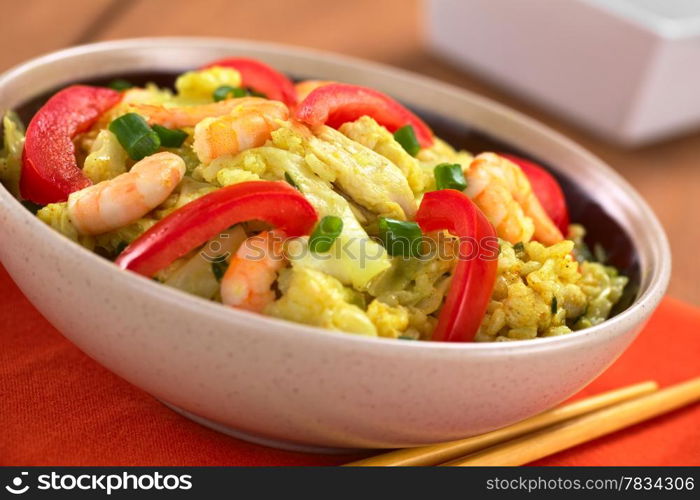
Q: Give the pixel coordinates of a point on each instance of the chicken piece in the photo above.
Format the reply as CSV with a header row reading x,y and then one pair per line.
x,y
369,133
367,177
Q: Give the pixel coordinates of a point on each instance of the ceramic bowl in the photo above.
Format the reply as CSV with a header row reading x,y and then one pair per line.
x,y
300,387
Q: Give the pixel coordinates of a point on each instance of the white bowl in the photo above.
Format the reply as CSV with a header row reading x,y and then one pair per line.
x,y
301,387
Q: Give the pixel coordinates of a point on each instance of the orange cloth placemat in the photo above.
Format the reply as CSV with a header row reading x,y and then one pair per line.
x,y
59,407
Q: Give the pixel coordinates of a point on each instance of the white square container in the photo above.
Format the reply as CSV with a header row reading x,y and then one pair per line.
x,y
628,70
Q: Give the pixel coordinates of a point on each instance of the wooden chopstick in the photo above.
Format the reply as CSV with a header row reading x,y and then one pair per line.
x,y
585,428
442,452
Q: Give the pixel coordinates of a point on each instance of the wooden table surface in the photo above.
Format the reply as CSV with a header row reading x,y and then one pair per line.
x,y
389,31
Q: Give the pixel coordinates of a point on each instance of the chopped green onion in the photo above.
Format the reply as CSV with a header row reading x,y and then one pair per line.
x,y
519,247
450,176
290,181
135,135
400,237
255,93
325,233
219,267
406,136
226,91
120,84
170,138
554,305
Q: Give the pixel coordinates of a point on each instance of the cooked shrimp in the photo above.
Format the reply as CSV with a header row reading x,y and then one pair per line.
x,y
307,86
245,127
122,200
189,116
252,271
502,191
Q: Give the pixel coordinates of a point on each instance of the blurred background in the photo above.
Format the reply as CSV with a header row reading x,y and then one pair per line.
x,y
599,55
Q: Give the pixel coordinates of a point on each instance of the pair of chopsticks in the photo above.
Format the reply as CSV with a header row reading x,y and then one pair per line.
x,y
549,432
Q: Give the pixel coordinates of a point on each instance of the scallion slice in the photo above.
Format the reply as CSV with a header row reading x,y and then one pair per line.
x,y
325,233
170,138
135,135
406,136
226,92
290,181
450,176
400,237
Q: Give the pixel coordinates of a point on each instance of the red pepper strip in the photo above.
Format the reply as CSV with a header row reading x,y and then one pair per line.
x,y
192,225
305,87
337,103
547,190
475,273
49,169
261,77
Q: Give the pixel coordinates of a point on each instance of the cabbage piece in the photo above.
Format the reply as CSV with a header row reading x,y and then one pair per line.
x,y
201,273
107,158
354,258
314,298
419,283
198,86
11,153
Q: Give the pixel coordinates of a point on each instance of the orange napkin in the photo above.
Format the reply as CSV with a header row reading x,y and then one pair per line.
x,y
58,407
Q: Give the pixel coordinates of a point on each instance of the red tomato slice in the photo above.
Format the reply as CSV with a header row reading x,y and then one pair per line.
x,y
49,169
192,225
337,103
475,273
262,78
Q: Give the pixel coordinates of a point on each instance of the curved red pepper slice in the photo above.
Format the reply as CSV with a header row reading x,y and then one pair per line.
x,y
305,87
475,273
547,190
49,169
192,225
337,103
261,77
